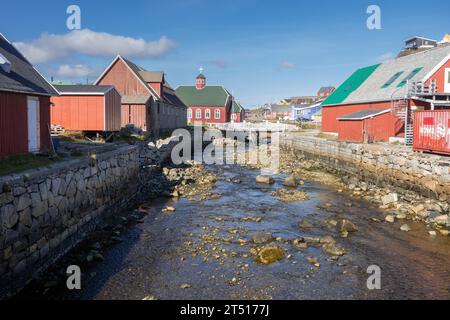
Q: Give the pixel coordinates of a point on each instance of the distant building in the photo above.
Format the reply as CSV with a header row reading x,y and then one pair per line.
x,y
277,112
415,43
324,92
209,104
377,102
148,101
24,104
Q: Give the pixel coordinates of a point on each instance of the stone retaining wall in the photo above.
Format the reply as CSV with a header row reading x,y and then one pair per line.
x,y
46,212
385,165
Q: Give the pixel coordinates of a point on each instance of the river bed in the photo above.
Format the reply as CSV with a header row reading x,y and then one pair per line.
x,y
202,250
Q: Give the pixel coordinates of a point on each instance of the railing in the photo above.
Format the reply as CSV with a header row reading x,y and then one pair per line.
x,y
418,88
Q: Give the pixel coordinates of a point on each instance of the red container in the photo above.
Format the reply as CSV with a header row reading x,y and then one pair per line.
x,y
432,131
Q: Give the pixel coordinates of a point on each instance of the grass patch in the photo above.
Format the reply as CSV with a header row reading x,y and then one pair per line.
x,y
326,136
14,164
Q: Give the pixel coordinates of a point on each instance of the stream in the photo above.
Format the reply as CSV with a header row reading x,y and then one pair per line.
x,y
202,250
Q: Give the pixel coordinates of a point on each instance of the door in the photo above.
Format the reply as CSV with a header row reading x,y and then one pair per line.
x,y
33,125
447,80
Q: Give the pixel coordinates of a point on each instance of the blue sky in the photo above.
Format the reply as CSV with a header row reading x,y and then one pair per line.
x,y
262,51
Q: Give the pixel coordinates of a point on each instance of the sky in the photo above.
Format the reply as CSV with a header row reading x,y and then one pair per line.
x,y
261,51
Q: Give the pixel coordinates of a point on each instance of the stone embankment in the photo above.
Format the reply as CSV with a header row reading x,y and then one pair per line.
x,y
406,184
46,212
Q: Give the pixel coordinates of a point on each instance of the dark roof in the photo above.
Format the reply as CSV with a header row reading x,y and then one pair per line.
x,y
364,114
172,98
83,88
152,76
201,76
326,89
23,77
207,97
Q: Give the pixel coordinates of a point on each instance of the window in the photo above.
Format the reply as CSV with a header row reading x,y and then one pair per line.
x,y
207,114
217,114
409,77
189,113
198,114
233,116
392,79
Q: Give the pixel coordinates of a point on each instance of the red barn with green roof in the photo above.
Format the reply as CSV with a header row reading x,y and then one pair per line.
x,y
377,102
207,104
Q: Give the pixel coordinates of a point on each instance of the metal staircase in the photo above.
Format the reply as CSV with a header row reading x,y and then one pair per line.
x,y
400,109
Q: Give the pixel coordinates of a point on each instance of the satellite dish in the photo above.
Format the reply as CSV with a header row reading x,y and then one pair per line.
x,y
5,64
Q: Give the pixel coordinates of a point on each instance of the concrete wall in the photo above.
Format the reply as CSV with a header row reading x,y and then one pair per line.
x,y
45,213
385,165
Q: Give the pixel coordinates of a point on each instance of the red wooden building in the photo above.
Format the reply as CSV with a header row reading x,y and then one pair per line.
x,y
148,101
87,108
377,102
24,104
208,104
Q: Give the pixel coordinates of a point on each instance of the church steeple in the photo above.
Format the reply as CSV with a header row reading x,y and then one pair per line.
x,y
200,82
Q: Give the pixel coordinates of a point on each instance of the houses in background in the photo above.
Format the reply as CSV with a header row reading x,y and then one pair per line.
x,y
24,104
377,103
148,101
87,108
209,104
298,108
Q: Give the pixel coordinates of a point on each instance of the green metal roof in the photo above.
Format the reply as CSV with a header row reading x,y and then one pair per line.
x,y
209,96
236,107
350,85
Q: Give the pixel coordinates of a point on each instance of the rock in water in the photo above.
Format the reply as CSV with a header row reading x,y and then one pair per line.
x,y
405,228
327,240
304,224
270,254
290,181
390,219
346,226
264,179
390,198
334,250
262,238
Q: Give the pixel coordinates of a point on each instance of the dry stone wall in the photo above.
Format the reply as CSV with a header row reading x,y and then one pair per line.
x,y
46,212
385,165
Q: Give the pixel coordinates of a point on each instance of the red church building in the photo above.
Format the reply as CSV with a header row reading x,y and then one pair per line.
x,y
209,104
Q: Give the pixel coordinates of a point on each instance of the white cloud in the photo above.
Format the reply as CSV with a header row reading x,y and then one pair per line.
x,y
287,65
385,57
49,47
74,71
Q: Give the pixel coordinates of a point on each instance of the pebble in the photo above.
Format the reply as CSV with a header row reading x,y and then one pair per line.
x,y
405,228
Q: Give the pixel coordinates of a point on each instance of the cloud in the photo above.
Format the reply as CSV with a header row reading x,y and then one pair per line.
x,y
222,64
74,71
287,65
385,57
49,47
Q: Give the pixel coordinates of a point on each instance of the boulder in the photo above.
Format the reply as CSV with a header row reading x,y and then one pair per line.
x,y
334,250
262,238
390,198
264,179
390,219
290,181
345,225
442,220
270,254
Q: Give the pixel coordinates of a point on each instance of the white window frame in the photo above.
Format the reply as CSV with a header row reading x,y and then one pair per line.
x,y
198,114
189,113
208,114
217,114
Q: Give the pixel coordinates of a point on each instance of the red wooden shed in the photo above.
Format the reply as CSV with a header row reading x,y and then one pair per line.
x,y
87,108
24,104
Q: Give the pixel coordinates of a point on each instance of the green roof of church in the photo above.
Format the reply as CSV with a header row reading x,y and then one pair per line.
x,y
209,96
236,107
